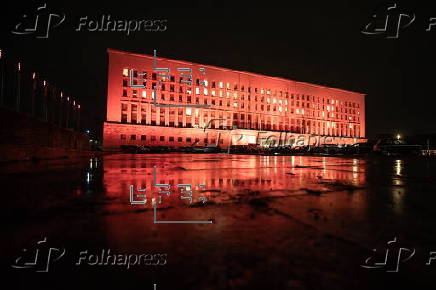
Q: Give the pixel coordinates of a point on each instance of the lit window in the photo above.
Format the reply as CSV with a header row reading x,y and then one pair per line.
x,y
205,91
268,92
125,72
228,86
228,94
144,94
221,85
297,111
153,94
280,109
235,104
188,111
274,101
205,83
197,91
261,91
235,94
213,93
221,94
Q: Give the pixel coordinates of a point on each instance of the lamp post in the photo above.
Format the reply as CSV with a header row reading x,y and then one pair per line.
x,y
18,96
2,76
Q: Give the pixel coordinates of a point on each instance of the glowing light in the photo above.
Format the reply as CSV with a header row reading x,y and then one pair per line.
x,y
1,53
19,66
33,76
398,136
44,83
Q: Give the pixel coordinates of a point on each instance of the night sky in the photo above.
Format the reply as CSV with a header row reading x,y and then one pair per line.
x,y
313,41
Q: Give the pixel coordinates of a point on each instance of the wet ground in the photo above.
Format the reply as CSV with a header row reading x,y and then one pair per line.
x,y
253,222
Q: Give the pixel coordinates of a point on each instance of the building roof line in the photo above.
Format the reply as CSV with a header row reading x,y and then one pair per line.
x,y
111,50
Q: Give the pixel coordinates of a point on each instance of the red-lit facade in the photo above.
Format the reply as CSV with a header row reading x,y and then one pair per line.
x,y
253,105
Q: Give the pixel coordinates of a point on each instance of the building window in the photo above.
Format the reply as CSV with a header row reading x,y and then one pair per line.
x,y
153,138
188,111
179,139
143,137
188,139
144,94
162,138
124,83
132,137
123,118
171,139
123,136
125,72
124,93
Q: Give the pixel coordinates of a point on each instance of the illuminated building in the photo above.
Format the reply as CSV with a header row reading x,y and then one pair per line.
x,y
248,105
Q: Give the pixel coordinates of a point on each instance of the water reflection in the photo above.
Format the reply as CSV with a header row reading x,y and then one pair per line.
x,y
226,178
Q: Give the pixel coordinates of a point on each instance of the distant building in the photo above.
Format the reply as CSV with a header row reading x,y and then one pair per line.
x,y
251,105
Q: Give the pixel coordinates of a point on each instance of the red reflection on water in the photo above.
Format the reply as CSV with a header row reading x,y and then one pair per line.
x,y
227,178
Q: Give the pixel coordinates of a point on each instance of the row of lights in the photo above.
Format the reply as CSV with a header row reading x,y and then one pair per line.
x,y
44,82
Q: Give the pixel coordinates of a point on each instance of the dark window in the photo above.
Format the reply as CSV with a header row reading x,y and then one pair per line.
x,y
143,137
162,138
188,139
123,136
172,139
179,139
132,137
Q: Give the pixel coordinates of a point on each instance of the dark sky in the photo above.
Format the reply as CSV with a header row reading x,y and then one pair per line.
x,y
313,41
